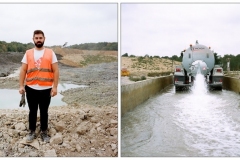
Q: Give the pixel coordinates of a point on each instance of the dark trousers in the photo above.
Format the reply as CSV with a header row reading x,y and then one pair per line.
x,y
35,98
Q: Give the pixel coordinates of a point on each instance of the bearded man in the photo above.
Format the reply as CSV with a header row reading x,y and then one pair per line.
x,y
39,76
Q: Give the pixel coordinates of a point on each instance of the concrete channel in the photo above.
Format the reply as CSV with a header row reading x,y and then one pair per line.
x,y
195,123
133,95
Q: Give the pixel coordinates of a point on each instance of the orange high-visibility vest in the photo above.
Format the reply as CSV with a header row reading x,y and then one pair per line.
x,y
42,76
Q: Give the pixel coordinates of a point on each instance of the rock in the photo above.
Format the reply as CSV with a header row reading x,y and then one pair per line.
x,y
20,145
33,154
82,129
78,147
15,133
52,132
98,124
34,143
23,133
1,154
112,121
20,126
57,139
8,123
114,146
3,75
50,153
93,132
113,131
60,126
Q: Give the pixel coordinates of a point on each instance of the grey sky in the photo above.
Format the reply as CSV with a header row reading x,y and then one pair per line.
x,y
73,23
167,29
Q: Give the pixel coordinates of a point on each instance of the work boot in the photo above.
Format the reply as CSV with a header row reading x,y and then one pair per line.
x,y
45,137
31,136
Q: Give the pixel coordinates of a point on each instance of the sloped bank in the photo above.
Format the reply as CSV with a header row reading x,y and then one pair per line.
x,y
134,94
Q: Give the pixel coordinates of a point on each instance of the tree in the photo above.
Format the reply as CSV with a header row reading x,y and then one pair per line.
x,y
125,55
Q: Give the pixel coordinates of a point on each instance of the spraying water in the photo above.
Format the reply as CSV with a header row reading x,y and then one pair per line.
x,y
199,87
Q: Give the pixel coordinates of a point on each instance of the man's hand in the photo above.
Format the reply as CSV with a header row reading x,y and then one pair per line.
x,y
54,91
21,90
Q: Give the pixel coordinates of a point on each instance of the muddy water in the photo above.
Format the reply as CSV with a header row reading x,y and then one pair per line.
x,y
10,98
195,123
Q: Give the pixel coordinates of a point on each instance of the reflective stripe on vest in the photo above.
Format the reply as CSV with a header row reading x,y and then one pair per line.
x,y
42,76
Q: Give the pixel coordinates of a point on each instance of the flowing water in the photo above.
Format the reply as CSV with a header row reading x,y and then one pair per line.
x,y
194,123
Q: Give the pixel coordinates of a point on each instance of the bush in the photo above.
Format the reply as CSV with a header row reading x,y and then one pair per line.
x,y
143,78
125,55
136,78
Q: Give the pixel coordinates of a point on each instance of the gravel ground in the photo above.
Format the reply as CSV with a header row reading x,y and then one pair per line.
x,y
87,126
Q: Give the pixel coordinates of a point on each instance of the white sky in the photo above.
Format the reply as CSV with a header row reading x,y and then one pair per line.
x,y
73,23
167,29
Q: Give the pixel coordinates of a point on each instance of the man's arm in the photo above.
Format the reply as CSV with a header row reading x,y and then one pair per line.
x,y
55,78
22,76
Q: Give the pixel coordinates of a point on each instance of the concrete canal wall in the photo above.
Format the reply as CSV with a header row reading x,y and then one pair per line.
x,y
231,83
134,94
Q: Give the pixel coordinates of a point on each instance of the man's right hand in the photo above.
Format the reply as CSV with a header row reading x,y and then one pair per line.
x,y
21,90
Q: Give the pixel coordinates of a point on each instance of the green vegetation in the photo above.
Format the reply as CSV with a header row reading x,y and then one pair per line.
x,y
96,59
20,47
136,78
106,46
157,74
14,46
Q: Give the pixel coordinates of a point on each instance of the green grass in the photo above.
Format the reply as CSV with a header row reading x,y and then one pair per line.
x,y
96,59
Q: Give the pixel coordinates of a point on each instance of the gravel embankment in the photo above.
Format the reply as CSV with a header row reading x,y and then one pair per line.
x,y
87,126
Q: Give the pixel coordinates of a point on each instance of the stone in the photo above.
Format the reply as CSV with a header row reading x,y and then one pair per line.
x,y
33,154
3,75
57,139
114,146
82,129
15,133
113,131
112,121
98,124
93,132
2,154
60,126
93,120
23,133
78,147
50,153
20,126
8,123
34,143
20,146
52,132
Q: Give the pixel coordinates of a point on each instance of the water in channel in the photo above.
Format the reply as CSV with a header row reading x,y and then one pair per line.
x,y
194,123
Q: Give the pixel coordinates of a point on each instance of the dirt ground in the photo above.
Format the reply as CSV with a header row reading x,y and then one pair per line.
x,y
86,127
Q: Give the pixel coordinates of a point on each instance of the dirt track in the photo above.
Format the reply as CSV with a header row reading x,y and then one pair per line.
x,y
87,126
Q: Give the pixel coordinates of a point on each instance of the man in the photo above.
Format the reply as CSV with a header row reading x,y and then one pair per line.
x,y
40,74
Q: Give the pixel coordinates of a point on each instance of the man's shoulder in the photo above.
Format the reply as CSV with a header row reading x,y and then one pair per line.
x,y
31,49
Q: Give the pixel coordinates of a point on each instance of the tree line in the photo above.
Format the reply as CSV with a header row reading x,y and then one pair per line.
x,y
14,46
219,60
107,46
20,47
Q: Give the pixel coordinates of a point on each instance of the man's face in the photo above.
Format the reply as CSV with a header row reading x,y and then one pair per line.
x,y
38,40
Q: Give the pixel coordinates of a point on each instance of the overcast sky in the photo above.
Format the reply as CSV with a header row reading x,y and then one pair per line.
x,y
167,29
72,23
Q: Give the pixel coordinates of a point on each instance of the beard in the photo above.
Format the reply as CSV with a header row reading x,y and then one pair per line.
x,y
39,44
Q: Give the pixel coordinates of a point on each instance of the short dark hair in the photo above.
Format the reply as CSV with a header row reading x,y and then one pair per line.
x,y
38,32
